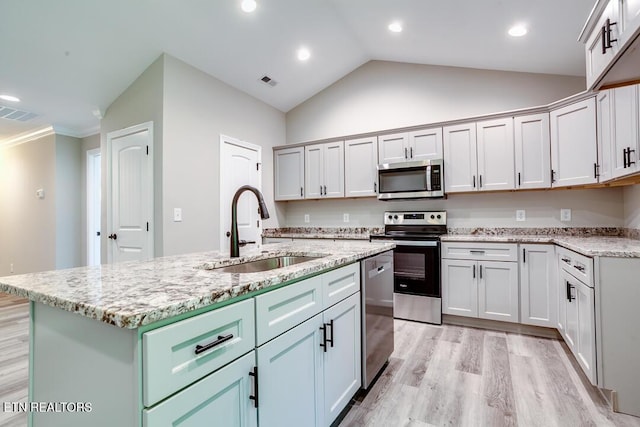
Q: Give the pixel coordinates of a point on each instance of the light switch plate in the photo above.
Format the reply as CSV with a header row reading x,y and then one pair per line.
x,y
565,214
306,217
177,214
521,215
345,217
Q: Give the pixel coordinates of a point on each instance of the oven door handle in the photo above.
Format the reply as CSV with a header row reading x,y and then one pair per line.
x,y
425,243
429,187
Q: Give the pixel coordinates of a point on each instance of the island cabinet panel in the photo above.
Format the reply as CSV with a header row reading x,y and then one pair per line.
x,y
340,283
223,396
176,355
290,372
280,310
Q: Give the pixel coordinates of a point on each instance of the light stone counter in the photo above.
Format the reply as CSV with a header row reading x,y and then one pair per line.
x,y
605,246
132,294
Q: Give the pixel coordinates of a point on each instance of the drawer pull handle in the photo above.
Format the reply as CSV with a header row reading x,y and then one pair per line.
x,y
579,267
330,340
567,260
254,374
323,344
220,340
476,251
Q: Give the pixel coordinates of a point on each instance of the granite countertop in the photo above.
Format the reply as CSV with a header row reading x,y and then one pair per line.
x,y
608,246
133,294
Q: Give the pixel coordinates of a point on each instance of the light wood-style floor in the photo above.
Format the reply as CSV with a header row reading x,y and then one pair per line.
x,y
457,376
14,357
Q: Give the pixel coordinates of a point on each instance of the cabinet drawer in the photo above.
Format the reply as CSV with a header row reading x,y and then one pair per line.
x,y
280,310
339,284
480,251
223,395
169,359
578,265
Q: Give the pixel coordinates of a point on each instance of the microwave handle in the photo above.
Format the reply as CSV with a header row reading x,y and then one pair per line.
x,y
429,188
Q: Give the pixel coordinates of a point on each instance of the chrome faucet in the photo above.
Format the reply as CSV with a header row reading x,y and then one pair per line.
x,y
262,209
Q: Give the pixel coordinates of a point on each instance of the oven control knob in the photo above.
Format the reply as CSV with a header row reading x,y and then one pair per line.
x,y
439,216
390,217
395,217
433,216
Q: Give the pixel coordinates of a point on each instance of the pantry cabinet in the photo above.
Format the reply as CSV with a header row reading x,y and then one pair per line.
x,y
532,151
423,144
573,144
289,173
324,170
538,285
361,161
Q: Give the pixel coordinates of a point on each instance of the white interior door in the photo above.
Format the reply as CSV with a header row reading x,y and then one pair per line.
x,y
130,201
93,206
240,164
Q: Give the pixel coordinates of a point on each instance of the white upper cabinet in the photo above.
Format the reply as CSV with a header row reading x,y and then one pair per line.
x,y
460,164
495,154
360,172
289,173
393,148
324,170
423,144
573,144
630,12
624,154
604,121
603,43
532,151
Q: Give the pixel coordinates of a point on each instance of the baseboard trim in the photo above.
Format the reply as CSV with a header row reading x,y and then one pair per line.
x,y
494,325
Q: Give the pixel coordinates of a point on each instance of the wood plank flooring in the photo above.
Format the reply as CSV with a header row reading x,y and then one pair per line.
x,y
14,357
457,376
438,376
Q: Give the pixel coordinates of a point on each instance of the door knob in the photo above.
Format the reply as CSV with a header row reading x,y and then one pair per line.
x,y
113,236
228,234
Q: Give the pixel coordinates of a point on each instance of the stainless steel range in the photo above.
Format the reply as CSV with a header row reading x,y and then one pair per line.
x,y
417,290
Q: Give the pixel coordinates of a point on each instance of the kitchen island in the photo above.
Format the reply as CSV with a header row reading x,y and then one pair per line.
x,y
101,336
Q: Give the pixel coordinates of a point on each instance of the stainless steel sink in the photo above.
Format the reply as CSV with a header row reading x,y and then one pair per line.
x,y
266,264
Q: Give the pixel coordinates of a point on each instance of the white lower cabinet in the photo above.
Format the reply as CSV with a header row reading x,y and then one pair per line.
x,y
538,285
484,289
308,375
222,395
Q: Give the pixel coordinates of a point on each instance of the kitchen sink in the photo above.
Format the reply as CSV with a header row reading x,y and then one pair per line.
x,y
266,264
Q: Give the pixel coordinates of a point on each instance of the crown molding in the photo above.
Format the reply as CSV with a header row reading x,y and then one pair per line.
x,y
83,133
28,136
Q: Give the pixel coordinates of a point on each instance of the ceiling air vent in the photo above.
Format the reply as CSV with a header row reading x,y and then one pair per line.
x,y
268,80
13,114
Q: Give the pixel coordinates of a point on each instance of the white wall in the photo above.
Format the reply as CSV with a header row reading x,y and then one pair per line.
x,y
590,208
383,95
632,206
197,110
68,202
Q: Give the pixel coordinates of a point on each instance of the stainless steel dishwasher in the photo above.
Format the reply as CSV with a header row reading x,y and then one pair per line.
x,y
377,314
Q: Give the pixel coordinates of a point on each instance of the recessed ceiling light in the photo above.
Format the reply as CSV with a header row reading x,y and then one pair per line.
x,y
248,5
395,27
10,98
518,30
303,54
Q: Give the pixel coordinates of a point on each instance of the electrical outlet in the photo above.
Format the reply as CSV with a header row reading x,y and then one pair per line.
x,y
11,268
521,215
177,214
306,217
345,217
565,214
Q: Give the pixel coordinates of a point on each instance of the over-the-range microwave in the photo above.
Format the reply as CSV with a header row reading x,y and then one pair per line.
x,y
411,180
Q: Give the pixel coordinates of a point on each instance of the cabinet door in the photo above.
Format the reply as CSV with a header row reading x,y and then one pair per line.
x,y
596,60
533,151
289,173
585,350
459,287
342,357
569,284
630,12
604,120
625,130
290,374
393,148
333,169
538,282
360,172
460,158
313,168
223,395
425,144
573,144
498,297
496,161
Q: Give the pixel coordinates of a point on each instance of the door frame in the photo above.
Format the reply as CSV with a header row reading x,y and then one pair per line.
x,y
222,151
148,126
93,218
